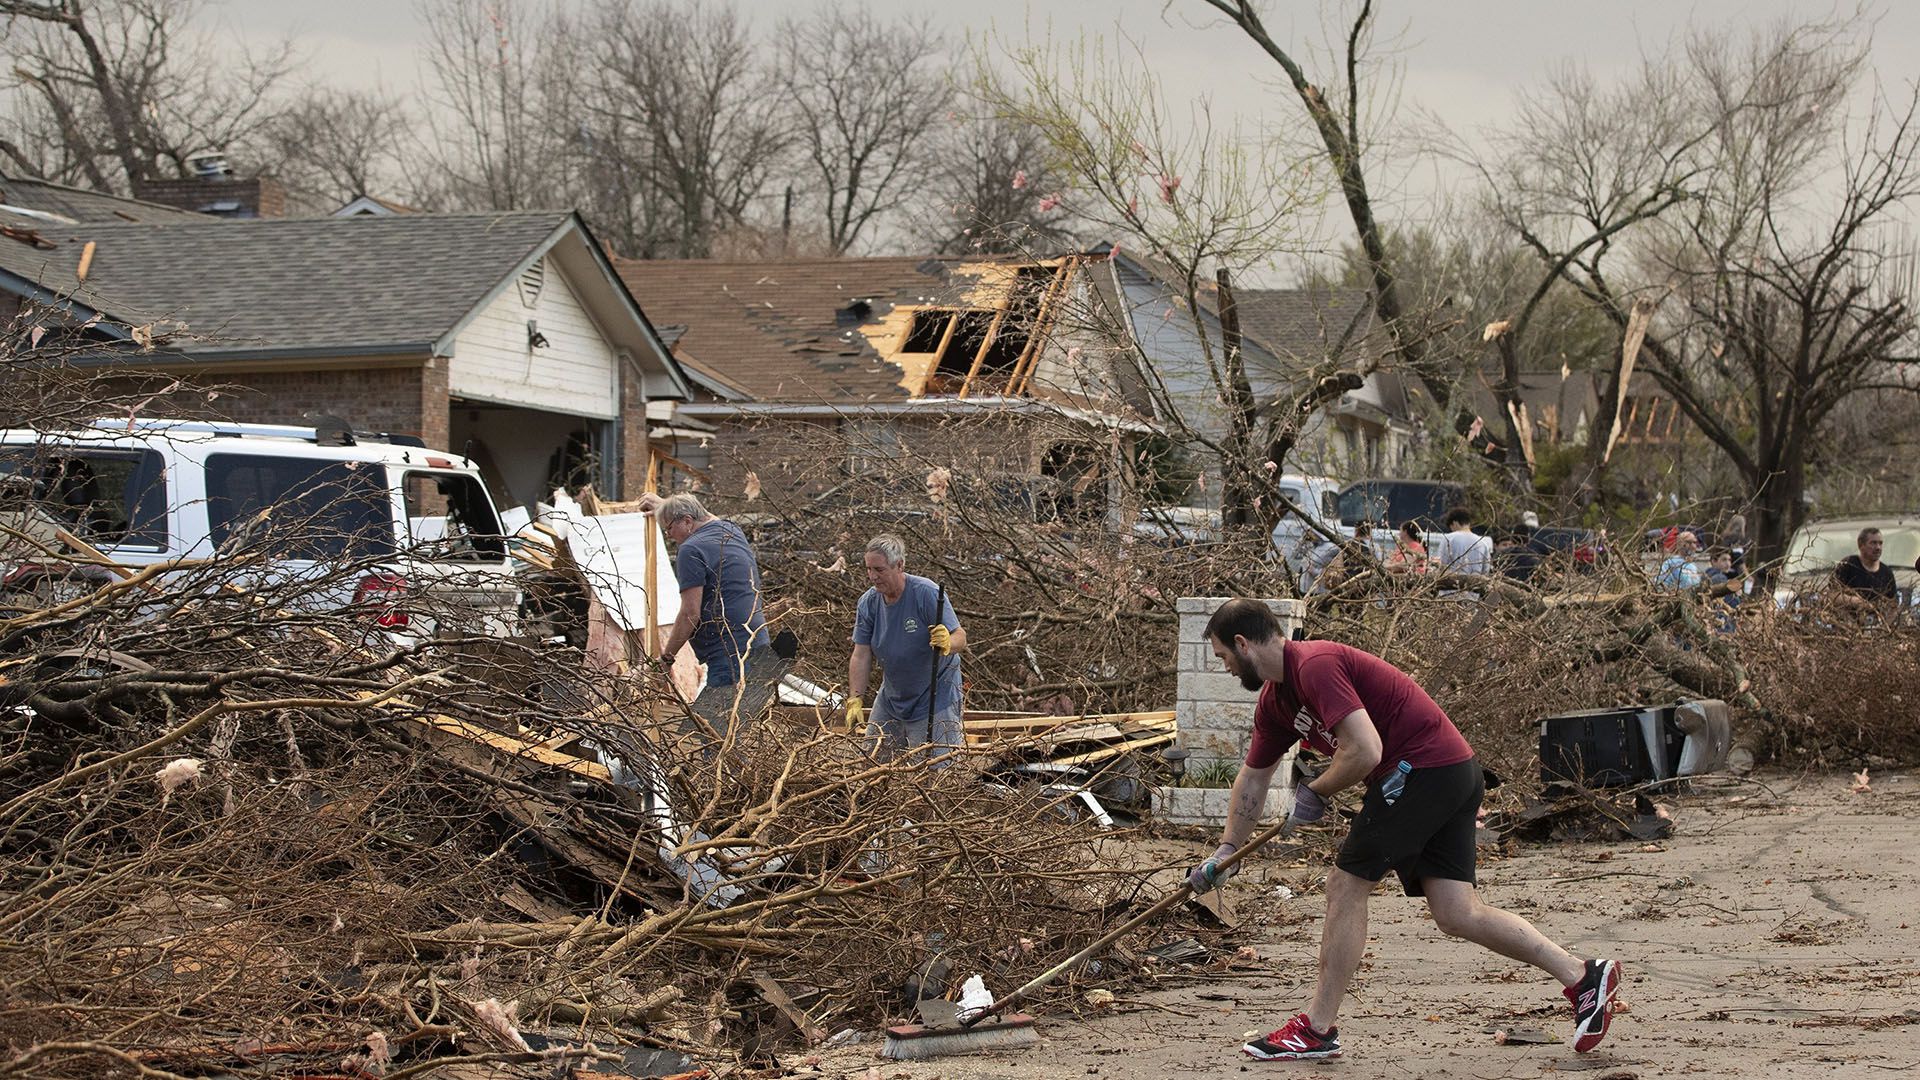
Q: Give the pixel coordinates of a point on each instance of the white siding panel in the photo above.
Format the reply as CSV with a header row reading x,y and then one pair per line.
x,y
574,374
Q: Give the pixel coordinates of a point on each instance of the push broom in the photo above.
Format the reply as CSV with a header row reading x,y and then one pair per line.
x,y
943,1031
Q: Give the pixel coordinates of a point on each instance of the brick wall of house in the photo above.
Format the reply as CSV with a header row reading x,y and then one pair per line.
x,y
403,400
633,436
808,456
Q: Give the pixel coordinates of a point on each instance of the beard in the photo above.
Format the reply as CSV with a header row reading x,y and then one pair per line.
x,y
1247,678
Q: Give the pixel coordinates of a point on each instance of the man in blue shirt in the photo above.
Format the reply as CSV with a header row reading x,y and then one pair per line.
x,y
721,616
903,622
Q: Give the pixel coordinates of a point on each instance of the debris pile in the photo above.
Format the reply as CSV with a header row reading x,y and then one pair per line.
x,y
239,831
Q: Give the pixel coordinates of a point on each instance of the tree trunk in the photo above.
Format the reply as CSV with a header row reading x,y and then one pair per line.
x,y
1238,488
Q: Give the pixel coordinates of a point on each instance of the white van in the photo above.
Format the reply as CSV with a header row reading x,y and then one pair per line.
x,y
1320,497
376,522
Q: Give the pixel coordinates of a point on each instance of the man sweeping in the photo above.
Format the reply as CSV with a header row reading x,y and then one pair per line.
x,y
1417,818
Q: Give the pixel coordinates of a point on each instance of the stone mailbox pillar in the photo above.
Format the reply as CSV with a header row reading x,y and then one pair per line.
x,y
1214,711
1215,716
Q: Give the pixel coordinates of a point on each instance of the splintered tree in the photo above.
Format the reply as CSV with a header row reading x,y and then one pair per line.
x,y
1766,299
1203,205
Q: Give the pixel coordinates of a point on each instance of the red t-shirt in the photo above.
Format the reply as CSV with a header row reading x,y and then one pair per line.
x,y
1325,682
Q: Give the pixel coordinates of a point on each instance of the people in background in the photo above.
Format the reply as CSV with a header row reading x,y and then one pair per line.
x,y
1864,576
1409,552
1460,550
1720,572
1677,570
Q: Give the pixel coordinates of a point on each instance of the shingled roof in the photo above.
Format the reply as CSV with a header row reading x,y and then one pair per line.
x,y
333,286
79,205
787,330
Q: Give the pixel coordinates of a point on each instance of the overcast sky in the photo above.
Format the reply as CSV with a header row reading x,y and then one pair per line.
x,y
1463,60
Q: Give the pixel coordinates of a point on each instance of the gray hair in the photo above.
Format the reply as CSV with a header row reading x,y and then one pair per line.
x,y
680,505
890,546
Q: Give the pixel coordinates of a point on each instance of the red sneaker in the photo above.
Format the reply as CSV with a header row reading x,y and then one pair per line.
x,y
1593,1003
1296,1041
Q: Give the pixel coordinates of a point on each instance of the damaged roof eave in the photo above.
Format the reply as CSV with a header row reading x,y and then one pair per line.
x,y
939,406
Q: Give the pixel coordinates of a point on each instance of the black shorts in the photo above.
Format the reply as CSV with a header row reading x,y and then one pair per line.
x,y
1429,831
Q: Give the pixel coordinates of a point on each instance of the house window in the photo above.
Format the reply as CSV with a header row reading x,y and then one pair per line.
x,y
532,280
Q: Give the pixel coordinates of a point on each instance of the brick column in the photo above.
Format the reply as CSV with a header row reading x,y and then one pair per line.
x,y
1214,712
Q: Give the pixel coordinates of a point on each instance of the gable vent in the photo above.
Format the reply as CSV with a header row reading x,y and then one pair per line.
x,y
531,279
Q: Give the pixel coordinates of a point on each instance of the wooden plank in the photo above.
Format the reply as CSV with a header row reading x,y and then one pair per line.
x,y
513,747
986,342
1114,751
1164,716
772,994
1029,361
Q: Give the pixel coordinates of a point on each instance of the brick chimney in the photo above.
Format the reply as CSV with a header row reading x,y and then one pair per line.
x,y
214,190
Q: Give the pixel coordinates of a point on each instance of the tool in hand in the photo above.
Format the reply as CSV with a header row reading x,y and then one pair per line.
x,y
942,1033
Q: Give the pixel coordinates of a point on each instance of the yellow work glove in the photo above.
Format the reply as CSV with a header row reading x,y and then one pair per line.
x,y
941,639
856,714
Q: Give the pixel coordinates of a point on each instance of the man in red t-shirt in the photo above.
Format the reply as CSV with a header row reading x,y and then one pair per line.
x,y
1417,818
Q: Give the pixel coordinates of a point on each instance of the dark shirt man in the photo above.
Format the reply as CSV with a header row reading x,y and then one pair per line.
x,y
721,616
1865,574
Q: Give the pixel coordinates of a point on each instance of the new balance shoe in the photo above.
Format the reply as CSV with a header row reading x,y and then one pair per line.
x,y
1295,1041
1593,1003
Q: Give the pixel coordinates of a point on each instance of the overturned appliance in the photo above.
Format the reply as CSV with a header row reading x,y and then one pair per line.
x,y
1635,744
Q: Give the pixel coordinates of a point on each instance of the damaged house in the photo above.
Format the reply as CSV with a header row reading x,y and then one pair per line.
x,y
885,358
506,336
1290,337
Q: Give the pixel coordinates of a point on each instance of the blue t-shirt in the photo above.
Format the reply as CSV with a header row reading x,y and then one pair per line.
x,y
718,560
897,633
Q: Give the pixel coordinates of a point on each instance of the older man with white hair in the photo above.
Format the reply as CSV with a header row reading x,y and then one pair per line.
x,y
906,622
721,615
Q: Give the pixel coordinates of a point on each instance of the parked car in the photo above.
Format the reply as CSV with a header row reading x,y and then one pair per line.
x,y
1393,503
1178,526
1818,546
1521,552
1319,496
415,525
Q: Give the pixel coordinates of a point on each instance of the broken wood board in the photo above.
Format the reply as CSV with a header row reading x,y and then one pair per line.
x,y
773,994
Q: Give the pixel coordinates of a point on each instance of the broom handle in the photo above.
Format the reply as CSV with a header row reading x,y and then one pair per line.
x,y
1166,902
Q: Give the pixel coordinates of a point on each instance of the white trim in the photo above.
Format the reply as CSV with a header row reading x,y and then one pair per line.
x,y
940,406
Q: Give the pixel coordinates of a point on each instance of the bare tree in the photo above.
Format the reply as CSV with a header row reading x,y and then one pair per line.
x,y
865,95
333,145
491,142
989,188
683,98
1769,296
1205,206
131,89
1337,122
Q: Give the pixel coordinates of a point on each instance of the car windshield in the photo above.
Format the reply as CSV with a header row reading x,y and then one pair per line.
x,y
1820,547
1395,504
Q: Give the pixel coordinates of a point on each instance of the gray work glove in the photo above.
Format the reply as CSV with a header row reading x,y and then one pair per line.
x,y
1308,805
1208,875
